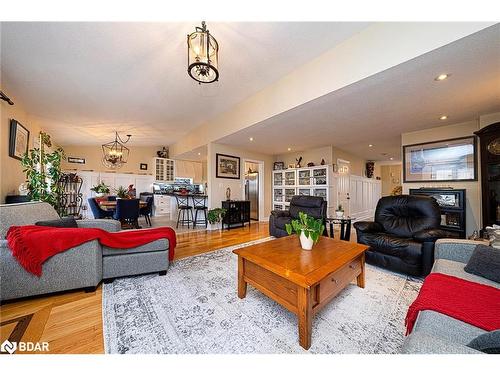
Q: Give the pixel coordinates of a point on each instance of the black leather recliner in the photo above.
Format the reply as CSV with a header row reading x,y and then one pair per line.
x,y
403,234
313,206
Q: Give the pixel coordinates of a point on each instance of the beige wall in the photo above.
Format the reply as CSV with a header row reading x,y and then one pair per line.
x,y
358,165
329,153
488,119
11,171
217,186
391,176
314,155
473,191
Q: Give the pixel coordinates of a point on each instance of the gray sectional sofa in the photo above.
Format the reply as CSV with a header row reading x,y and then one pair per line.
x,y
437,333
80,267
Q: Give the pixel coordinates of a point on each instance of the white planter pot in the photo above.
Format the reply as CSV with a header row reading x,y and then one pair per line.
x,y
306,242
215,226
100,195
339,214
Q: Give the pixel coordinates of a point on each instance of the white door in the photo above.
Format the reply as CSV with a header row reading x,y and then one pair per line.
x,y
343,185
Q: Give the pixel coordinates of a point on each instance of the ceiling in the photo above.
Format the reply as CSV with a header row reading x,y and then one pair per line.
x,y
83,81
378,109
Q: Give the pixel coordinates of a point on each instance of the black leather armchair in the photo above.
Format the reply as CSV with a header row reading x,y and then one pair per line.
x,y
403,234
313,206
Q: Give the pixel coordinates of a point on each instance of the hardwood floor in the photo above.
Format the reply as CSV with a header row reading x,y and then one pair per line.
x,y
71,322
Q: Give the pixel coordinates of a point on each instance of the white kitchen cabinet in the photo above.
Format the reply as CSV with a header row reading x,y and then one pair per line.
x,y
161,205
189,169
164,169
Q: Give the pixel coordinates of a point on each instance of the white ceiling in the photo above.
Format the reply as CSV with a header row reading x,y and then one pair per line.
x,y
378,109
83,81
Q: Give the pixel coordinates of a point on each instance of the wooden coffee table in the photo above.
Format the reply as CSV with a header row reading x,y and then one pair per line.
x,y
300,280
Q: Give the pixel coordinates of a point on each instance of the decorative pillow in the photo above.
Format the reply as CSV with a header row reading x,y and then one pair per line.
x,y
67,222
485,262
487,342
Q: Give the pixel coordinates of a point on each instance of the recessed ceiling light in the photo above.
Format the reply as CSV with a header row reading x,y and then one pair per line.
x,y
370,145
441,77
289,149
443,117
391,158
251,139
199,153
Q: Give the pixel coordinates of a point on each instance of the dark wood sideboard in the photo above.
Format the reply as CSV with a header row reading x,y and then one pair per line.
x,y
237,213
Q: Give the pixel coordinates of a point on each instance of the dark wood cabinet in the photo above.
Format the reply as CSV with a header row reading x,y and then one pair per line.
x,y
237,213
489,146
452,205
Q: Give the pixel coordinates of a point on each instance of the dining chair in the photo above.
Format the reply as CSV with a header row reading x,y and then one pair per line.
x,y
127,212
97,211
148,210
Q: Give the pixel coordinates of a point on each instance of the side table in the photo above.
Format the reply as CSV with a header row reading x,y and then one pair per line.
x,y
345,227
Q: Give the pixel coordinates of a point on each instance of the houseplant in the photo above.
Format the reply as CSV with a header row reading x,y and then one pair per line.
x,y
121,192
43,172
308,228
214,217
100,190
339,213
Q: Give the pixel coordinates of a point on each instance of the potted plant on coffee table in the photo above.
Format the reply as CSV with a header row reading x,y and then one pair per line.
x,y
214,217
308,228
100,190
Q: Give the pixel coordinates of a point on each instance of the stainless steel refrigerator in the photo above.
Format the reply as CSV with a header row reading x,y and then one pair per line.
x,y
252,194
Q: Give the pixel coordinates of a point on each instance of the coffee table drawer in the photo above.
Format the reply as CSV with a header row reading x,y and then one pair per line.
x,y
283,291
336,281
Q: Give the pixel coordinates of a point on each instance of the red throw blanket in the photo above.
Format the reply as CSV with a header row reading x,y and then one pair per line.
x,y
472,303
32,245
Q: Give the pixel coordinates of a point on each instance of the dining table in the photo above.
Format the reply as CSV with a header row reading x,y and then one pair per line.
x,y
111,205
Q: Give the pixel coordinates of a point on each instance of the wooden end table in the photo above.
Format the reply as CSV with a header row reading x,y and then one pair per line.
x,y
302,281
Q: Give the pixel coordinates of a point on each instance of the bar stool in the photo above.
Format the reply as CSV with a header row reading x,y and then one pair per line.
x,y
183,206
200,204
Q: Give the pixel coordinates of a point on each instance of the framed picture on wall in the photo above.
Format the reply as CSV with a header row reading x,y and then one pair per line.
x,y
278,165
447,160
18,140
227,166
76,160
143,167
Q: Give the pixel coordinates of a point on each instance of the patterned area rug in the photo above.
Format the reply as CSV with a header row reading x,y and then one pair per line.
x,y
195,309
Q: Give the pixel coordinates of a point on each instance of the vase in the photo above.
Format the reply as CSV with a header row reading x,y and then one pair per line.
x,y
339,214
306,242
214,226
100,195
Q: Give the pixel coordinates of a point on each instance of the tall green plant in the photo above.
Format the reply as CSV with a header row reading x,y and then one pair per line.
x,y
43,172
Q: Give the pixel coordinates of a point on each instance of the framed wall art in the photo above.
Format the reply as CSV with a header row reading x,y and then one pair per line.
x,y
18,141
447,160
278,165
227,166
74,160
143,167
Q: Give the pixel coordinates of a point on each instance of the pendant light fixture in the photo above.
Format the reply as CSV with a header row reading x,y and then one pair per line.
x,y
115,154
203,55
